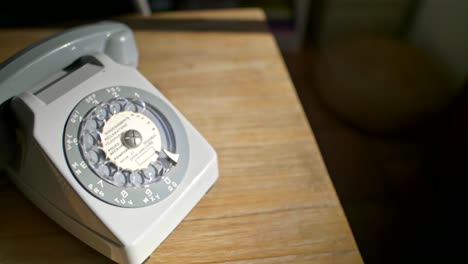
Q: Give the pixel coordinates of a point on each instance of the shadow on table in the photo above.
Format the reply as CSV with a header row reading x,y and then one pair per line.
x,y
163,24
226,25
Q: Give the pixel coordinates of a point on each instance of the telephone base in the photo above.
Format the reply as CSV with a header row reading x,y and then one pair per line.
x,y
140,251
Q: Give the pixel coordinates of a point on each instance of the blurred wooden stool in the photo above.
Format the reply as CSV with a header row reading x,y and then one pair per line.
x,y
382,85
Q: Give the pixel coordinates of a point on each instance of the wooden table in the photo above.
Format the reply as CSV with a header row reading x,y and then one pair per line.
x,y
274,201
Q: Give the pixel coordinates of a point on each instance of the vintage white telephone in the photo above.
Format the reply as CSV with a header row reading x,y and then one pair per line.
x,y
96,146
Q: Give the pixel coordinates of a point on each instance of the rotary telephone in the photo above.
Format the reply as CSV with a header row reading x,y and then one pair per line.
x,y
96,146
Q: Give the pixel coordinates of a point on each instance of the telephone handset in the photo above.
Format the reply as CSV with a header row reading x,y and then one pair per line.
x,y
96,146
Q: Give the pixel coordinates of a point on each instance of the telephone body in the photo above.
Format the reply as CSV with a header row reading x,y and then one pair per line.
x,y
96,146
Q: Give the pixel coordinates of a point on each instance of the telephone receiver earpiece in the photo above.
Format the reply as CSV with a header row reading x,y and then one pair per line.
x,y
26,68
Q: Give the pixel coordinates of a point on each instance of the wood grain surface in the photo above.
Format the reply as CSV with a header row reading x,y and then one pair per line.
x,y
274,201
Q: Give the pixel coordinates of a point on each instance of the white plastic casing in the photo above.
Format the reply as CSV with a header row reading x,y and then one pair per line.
x,y
126,235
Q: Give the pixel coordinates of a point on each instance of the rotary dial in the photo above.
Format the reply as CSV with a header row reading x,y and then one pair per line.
x,y
125,148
